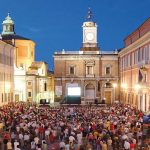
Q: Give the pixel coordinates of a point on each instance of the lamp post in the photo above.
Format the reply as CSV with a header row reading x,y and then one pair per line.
x,y
115,85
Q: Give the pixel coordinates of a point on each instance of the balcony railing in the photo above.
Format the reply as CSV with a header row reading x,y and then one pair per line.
x,y
86,52
90,75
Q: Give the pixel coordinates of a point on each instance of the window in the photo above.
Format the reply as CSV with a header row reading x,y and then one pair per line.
x,y
133,58
29,83
89,70
108,70
29,94
45,86
128,60
138,55
8,97
72,70
145,77
5,97
108,85
2,97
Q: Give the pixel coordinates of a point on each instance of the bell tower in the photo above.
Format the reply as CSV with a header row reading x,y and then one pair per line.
x,y
8,26
89,33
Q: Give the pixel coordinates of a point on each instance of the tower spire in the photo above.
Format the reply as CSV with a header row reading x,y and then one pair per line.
x,y
89,15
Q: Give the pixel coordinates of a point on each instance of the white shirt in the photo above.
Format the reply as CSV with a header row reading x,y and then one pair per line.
x,y
36,139
71,138
18,128
47,132
20,136
124,137
32,145
126,145
79,137
15,145
26,137
62,144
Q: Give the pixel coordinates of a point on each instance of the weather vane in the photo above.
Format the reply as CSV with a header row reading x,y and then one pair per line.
x,y
89,15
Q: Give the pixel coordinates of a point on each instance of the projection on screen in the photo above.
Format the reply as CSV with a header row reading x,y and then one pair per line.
x,y
74,91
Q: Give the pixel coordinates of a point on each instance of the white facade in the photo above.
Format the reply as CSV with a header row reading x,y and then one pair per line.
x,y
19,83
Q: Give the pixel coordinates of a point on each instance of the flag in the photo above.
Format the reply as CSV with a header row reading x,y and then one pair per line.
x,y
140,76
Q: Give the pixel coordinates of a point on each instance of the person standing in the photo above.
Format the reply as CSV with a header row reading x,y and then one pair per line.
x,y
16,144
33,145
109,143
9,145
104,145
126,145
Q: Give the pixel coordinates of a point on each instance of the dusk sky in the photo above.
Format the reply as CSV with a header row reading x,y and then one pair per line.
x,y
57,24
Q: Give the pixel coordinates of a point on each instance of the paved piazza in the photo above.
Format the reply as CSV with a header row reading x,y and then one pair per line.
x,y
24,126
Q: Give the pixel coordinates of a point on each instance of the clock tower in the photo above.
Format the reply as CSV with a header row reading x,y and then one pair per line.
x,y
89,34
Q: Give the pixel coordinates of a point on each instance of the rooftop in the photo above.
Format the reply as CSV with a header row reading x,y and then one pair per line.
x,y
13,36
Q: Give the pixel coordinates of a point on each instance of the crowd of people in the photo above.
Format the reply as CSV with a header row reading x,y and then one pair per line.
x,y
27,127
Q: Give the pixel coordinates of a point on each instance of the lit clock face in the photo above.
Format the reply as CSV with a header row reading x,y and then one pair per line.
x,y
89,36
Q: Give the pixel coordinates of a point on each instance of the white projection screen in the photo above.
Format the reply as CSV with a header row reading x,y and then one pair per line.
x,y
74,91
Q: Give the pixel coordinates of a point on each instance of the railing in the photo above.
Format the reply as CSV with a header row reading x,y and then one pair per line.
x,y
86,52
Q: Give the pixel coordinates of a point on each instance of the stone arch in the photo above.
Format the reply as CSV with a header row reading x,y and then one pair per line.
x,y
89,92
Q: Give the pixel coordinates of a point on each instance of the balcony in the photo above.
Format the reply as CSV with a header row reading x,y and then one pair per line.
x,y
90,75
84,52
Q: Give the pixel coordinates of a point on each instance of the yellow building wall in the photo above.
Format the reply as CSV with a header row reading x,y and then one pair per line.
x,y
24,53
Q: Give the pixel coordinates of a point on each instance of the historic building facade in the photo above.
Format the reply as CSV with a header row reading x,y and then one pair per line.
x,y
93,71
40,82
6,73
134,62
26,79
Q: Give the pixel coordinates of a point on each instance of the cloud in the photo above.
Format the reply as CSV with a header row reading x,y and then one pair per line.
x,y
31,29
34,29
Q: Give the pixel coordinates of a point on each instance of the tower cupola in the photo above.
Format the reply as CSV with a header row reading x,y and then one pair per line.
x,y
89,31
8,26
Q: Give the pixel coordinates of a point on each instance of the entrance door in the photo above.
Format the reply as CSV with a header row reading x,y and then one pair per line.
x,y
108,97
17,97
90,92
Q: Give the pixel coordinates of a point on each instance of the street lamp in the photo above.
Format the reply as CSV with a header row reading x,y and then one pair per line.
x,y
124,85
137,87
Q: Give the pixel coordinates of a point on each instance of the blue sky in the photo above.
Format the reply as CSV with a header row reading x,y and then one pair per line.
x,y
57,24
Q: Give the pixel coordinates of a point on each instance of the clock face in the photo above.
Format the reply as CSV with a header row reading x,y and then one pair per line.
x,y
89,36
